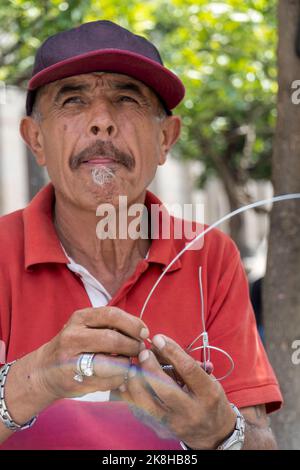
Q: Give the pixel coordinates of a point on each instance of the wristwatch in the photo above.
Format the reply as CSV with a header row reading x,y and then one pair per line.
x,y
5,417
236,440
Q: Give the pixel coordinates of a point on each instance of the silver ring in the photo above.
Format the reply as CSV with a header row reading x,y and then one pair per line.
x,y
85,364
78,378
126,378
84,367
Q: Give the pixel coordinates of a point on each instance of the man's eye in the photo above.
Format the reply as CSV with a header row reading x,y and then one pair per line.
x,y
73,99
125,98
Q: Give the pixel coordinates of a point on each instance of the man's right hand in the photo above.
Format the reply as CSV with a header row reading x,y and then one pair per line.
x,y
113,335
47,374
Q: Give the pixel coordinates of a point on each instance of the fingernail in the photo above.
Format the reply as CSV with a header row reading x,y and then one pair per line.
x,y
142,347
209,367
144,355
144,333
159,341
132,372
122,388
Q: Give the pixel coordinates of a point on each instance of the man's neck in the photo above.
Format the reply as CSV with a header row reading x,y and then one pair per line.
x,y
110,261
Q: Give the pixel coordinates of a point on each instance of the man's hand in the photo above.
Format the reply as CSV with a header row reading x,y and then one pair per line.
x,y
46,374
198,414
112,334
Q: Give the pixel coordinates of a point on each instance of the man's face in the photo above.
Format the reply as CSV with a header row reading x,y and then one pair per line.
x,y
100,136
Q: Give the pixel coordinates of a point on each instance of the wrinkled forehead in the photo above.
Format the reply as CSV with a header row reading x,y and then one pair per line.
x,y
97,80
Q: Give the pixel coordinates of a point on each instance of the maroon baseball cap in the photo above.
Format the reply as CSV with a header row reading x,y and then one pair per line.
x,y
103,46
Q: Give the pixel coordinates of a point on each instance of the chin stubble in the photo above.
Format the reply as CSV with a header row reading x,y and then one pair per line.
x,y
102,175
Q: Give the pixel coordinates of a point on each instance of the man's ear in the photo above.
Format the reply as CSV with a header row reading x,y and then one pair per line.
x,y
170,132
31,133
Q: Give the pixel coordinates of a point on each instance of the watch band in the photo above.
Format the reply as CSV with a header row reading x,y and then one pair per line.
x,y
184,446
4,413
236,440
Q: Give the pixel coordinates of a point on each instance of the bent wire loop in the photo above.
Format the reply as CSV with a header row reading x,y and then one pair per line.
x,y
204,335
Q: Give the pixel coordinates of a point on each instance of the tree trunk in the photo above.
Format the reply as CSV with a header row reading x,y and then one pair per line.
x,y
237,224
234,191
282,283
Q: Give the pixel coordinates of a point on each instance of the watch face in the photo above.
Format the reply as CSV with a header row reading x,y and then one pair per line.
x,y
237,445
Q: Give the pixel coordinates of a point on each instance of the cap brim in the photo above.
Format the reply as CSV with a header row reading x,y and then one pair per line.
x,y
165,83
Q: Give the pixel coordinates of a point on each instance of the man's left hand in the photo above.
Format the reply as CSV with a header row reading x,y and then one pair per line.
x,y
198,414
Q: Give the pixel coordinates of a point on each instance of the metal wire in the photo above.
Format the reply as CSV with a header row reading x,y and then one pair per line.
x,y
205,346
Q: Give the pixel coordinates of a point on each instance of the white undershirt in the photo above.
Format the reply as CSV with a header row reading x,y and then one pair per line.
x,y
99,297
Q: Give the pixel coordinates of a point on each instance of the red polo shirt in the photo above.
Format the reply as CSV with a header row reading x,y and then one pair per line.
x,y
38,293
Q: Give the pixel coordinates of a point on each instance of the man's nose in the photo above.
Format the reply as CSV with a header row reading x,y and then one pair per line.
x,y
102,120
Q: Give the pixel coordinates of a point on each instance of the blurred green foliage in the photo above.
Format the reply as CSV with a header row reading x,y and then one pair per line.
x,y
224,51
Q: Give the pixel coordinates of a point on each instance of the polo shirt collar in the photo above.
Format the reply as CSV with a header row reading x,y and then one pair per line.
x,y
42,245
162,250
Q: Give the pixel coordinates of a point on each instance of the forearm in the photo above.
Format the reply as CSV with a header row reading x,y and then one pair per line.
x,y
259,438
258,434
25,396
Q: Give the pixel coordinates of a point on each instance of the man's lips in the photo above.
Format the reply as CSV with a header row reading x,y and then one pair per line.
x,y
102,153
98,161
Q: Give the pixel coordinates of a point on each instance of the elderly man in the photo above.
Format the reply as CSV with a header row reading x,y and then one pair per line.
x,y
75,351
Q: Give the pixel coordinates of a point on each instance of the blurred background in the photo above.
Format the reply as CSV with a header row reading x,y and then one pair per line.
x,y
224,156
225,53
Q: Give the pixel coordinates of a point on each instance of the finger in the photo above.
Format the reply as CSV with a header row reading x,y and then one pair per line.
x,y
207,366
105,366
107,341
164,387
110,366
188,369
114,318
144,404
108,373
95,384
142,397
122,393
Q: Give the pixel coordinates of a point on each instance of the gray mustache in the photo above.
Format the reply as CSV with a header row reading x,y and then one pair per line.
x,y
106,149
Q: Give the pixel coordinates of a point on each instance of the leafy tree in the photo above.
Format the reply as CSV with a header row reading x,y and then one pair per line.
x,y
223,51
24,26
